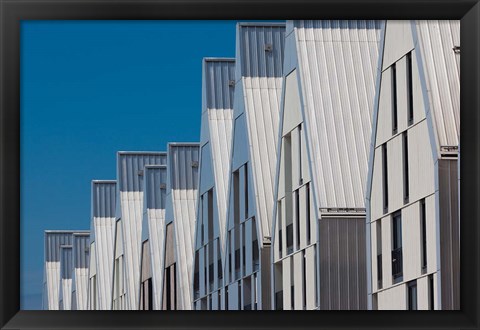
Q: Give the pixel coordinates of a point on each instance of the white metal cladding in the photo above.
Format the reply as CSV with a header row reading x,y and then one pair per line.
x,y
259,61
103,234
182,185
153,226
66,269
80,251
53,241
441,65
217,116
130,168
338,63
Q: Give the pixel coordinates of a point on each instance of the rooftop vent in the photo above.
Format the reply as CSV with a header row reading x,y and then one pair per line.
x,y
231,83
268,47
194,163
456,49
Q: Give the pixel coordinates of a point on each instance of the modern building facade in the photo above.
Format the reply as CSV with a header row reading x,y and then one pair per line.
x,y
153,237
81,257
129,214
258,86
181,199
412,193
218,82
102,239
58,261
319,259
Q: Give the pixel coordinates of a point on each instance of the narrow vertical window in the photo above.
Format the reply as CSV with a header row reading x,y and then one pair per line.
x,y
246,191
280,226
304,280
431,292
412,295
406,187
297,217
307,211
397,260
379,254
385,177
423,228
409,88
300,174
394,99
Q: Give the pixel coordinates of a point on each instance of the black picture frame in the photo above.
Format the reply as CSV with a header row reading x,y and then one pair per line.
x,y
13,11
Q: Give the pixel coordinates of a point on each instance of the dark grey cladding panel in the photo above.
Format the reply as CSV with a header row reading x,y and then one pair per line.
x,y
219,73
183,166
81,247
343,272
66,262
131,167
449,234
261,49
103,198
155,186
53,241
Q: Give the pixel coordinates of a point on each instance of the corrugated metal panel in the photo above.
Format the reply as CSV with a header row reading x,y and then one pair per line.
x,y
338,62
130,175
66,270
436,40
182,188
80,247
218,89
259,62
343,280
153,226
103,234
80,251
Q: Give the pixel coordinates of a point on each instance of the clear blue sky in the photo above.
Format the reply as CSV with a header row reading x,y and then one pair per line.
x,y
89,89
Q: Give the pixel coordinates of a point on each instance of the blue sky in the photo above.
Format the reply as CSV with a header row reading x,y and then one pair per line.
x,y
89,89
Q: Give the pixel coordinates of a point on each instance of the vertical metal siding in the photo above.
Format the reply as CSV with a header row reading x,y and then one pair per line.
x,y
337,61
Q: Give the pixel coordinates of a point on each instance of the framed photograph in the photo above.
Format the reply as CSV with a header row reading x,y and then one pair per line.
x,y
239,165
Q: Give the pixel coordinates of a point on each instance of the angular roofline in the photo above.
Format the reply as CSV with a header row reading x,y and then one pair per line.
x,y
104,181
219,59
82,233
260,24
57,231
141,152
183,144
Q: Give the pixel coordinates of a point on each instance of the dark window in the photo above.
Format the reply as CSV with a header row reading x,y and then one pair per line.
x,y
255,247
280,225
236,198
412,295
297,217
237,264
210,215
246,192
307,197
410,88
300,175
290,238
385,177
423,227
394,99
150,294
406,187
379,254
196,277
304,281
397,260
431,291
374,301
279,300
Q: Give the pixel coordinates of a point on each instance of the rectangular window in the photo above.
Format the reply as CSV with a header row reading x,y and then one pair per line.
x,y
280,226
307,211
410,88
300,174
246,191
304,280
406,188
236,198
374,302
385,177
297,217
210,215
423,228
431,291
379,254
397,260
412,295
255,246
290,238
394,99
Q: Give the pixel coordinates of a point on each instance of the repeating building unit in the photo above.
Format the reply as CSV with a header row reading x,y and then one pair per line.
x,y
153,237
129,214
218,84
412,193
258,75
319,232
326,178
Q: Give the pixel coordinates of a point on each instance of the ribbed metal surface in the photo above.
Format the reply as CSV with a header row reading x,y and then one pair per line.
x,y
102,230
182,195
80,246
153,226
343,282
338,62
66,271
219,75
259,61
81,258
436,40
130,176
